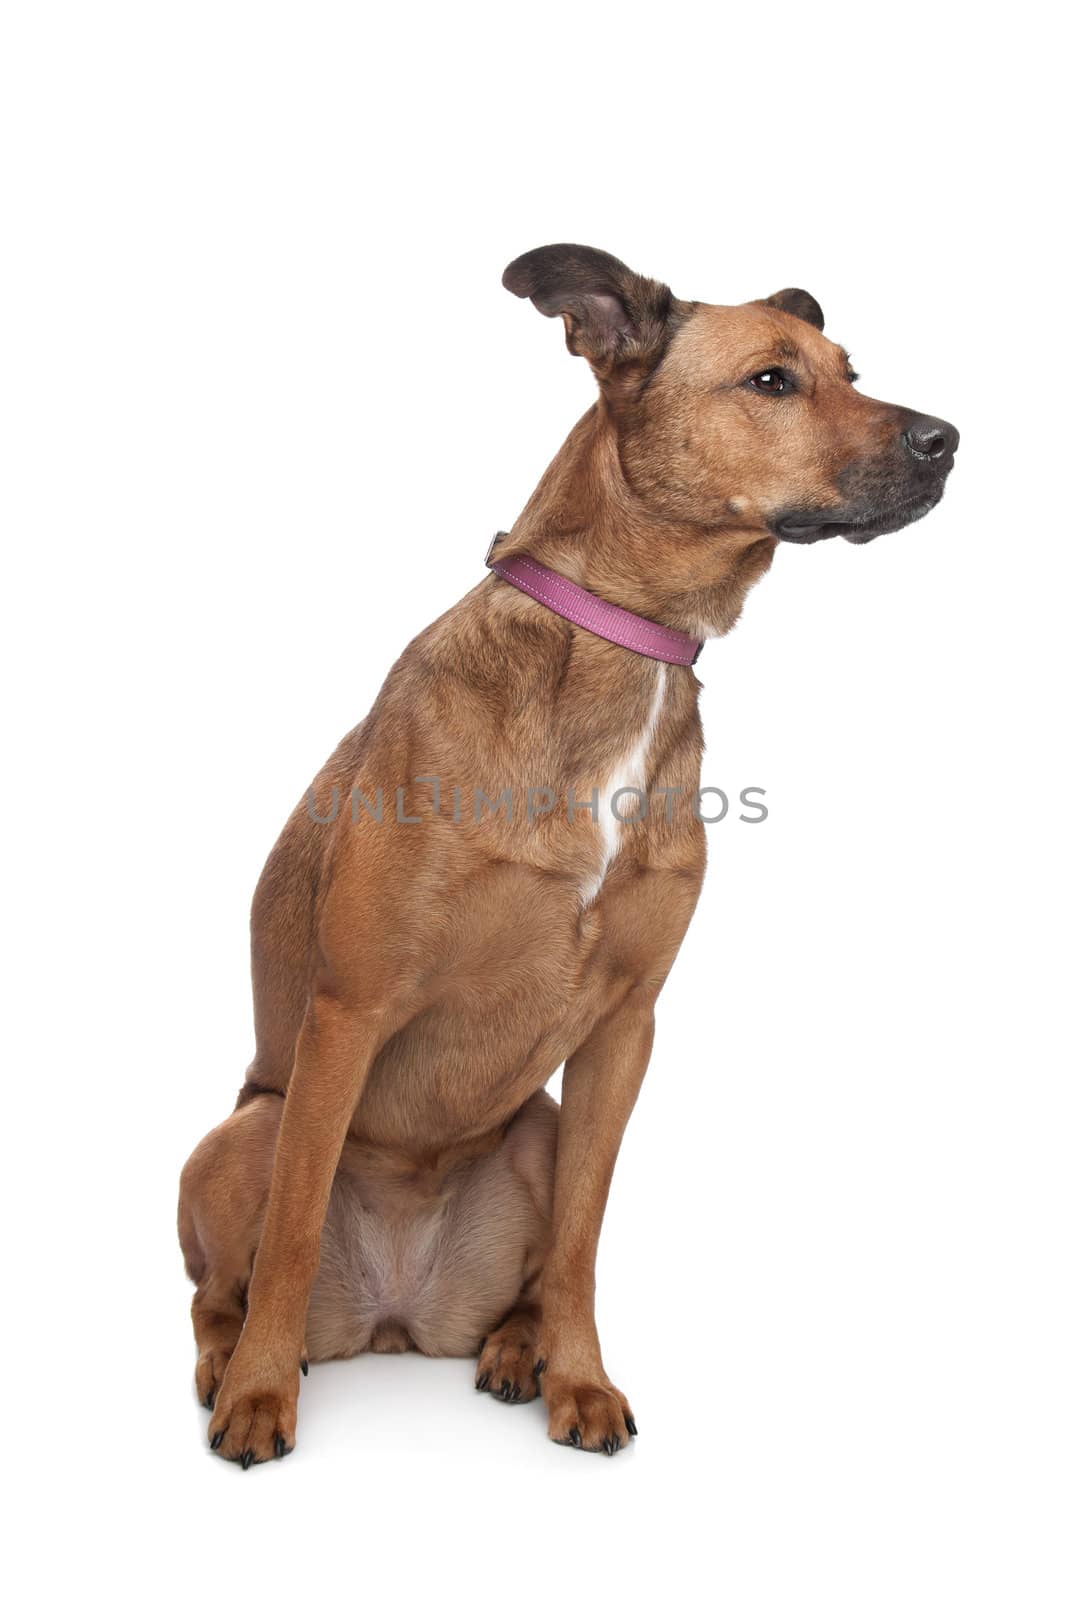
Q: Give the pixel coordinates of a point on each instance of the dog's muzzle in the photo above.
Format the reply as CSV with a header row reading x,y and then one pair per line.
x,y
883,492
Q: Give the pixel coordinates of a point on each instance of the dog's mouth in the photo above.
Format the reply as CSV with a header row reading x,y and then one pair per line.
x,y
860,522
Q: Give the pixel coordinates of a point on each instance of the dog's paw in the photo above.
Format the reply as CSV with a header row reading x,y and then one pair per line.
x,y
509,1365
590,1415
254,1420
210,1370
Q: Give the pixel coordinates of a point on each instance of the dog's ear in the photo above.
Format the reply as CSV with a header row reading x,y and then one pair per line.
x,y
799,303
613,316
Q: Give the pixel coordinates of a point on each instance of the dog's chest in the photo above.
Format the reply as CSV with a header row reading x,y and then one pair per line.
x,y
529,951
621,792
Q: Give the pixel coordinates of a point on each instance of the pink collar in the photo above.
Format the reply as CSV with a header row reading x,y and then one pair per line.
x,y
598,616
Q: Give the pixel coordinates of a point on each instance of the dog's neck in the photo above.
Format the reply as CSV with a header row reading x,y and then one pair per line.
x,y
538,694
583,520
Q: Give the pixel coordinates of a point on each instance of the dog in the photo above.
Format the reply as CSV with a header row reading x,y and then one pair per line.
x,y
394,1168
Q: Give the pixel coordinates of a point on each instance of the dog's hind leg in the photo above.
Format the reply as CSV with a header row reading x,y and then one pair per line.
x,y
222,1198
511,1361
505,1223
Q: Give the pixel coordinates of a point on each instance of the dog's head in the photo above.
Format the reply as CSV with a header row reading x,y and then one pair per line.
x,y
739,417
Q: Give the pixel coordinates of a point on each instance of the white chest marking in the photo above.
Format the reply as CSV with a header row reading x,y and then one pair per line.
x,y
628,774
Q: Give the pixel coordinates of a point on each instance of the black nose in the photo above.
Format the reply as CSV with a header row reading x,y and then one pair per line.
x,y
931,438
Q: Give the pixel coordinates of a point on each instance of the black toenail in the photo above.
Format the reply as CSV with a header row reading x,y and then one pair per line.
x,y
482,1382
631,1426
247,1460
217,1438
575,1438
540,1367
304,1366
209,1400
279,1446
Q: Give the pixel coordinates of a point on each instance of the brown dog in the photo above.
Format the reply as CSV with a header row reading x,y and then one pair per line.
x,y
394,1167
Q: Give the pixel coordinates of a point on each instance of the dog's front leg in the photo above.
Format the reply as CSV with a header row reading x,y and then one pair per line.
x,y
255,1412
600,1084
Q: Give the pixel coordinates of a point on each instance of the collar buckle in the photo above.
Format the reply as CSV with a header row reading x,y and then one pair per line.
x,y
494,541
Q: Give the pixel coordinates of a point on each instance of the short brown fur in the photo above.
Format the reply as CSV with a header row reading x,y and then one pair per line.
x,y
394,1176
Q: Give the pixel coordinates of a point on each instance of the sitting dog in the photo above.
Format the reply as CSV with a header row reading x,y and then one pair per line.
x,y
464,901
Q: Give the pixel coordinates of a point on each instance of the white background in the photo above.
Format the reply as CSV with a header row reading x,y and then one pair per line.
x,y
264,402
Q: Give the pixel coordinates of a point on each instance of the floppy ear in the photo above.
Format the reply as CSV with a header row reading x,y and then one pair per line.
x,y
798,303
612,315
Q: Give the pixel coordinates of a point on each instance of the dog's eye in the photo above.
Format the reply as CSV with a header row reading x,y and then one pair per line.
x,y
773,381
853,377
